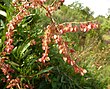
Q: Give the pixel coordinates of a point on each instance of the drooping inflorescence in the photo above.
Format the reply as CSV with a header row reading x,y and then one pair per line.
x,y
83,27
23,12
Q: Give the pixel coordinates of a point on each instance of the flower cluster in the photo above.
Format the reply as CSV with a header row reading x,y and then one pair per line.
x,y
11,26
28,3
22,6
45,42
10,30
14,83
23,12
64,50
84,27
88,26
54,32
6,69
50,9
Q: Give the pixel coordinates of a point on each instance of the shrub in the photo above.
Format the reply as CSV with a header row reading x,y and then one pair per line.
x,y
33,36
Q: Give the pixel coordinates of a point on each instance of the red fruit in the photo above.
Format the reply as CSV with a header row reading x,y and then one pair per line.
x,y
71,29
10,40
89,26
76,69
60,26
82,71
62,0
11,26
85,29
69,60
3,79
9,34
82,25
65,59
11,46
72,50
33,42
75,28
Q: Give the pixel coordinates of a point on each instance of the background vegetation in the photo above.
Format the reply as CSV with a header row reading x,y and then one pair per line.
x,y
92,50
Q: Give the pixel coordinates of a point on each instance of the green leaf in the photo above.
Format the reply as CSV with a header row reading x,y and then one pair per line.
x,y
29,67
27,52
14,52
13,63
3,13
44,71
20,50
25,47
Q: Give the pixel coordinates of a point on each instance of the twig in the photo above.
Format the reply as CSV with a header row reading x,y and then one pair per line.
x,y
79,22
49,14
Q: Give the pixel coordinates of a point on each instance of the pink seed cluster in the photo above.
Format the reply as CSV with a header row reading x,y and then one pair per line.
x,y
64,50
6,69
45,42
84,27
23,12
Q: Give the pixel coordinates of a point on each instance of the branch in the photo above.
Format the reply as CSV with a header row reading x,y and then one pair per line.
x,y
79,22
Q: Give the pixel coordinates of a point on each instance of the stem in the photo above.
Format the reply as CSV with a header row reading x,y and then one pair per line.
x,y
53,2
79,22
53,21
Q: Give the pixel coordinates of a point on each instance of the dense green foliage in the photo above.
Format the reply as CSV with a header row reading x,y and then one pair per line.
x,y
92,50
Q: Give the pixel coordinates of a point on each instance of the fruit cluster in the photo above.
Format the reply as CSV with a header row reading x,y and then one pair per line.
x,y
23,12
84,27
